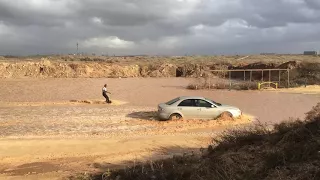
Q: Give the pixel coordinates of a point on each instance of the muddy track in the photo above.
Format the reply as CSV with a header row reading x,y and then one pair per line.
x,y
31,119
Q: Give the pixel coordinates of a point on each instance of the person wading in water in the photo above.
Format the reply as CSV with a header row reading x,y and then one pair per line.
x,y
104,93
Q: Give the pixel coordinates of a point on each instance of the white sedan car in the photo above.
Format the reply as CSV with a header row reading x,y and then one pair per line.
x,y
188,107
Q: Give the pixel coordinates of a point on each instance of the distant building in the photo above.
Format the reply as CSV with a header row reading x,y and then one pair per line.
x,y
310,53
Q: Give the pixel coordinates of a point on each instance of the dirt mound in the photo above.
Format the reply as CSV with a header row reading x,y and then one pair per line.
x,y
192,70
303,73
46,68
158,70
114,67
195,70
90,69
258,65
288,65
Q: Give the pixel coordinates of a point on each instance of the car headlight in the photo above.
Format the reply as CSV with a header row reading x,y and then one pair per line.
x,y
236,112
160,109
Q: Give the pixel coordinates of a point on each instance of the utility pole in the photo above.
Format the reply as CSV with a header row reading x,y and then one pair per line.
x,y
77,48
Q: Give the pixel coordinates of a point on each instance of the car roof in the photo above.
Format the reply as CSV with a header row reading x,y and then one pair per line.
x,y
190,97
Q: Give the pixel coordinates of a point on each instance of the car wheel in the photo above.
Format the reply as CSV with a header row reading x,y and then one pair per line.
x,y
226,115
175,117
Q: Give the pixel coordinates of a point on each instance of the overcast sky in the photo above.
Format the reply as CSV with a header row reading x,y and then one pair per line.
x,y
159,27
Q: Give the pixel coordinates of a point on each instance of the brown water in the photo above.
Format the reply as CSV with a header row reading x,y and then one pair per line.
x,y
148,92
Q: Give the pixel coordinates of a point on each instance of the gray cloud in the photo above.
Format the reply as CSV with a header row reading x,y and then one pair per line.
x,y
159,26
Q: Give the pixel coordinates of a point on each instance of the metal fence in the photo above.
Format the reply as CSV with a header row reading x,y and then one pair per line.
x,y
280,77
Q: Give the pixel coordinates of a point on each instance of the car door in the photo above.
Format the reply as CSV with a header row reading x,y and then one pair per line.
x,y
188,108
206,110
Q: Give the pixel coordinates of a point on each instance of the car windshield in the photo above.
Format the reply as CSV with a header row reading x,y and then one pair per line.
x,y
218,104
172,101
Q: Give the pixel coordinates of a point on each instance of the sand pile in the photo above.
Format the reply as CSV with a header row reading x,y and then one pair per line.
x,y
60,69
68,67
165,70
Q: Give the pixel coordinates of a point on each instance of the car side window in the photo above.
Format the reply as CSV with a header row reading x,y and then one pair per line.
x,y
202,103
187,103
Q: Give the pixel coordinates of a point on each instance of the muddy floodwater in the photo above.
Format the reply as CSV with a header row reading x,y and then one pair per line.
x,y
51,128
148,92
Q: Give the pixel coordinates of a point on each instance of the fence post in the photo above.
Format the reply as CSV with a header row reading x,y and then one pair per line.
x,y
288,78
279,77
250,76
229,80
269,77
244,75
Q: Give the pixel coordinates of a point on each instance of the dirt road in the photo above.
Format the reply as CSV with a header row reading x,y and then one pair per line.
x,y
45,136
